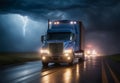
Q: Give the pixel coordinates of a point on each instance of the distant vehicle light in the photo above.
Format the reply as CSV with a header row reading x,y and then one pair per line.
x,y
88,52
94,52
91,53
50,22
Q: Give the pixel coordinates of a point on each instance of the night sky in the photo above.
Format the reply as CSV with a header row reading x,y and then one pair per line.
x,y
22,22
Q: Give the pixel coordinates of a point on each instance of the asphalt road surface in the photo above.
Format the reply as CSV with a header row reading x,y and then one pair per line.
x,y
92,70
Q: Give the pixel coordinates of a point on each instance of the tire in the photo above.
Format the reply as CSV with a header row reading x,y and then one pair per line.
x,y
70,64
45,64
72,61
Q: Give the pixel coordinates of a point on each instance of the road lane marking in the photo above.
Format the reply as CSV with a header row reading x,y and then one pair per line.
x,y
104,76
22,79
113,75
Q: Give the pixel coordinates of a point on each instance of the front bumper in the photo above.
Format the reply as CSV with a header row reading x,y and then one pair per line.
x,y
57,59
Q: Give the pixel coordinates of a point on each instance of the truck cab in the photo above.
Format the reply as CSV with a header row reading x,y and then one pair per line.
x,y
62,42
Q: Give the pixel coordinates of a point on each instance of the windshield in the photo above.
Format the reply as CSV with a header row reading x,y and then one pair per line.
x,y
59,36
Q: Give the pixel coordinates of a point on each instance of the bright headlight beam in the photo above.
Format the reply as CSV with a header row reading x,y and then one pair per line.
x,y
44,51
68,51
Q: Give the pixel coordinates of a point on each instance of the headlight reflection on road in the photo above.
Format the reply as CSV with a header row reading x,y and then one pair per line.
x,y
85,66
46,79
67,76
62,75
77,72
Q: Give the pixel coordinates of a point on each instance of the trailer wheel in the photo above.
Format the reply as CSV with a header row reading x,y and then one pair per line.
x,y
45,64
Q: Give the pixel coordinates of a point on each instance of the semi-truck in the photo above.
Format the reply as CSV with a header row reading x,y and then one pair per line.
x,y
63,42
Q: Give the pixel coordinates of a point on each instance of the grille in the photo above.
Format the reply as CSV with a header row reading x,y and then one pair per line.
x,y
56,48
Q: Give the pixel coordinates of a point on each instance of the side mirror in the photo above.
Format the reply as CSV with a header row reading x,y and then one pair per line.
x,y
42,38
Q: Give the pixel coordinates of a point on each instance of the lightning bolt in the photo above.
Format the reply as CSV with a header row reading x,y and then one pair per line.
x,y
25,21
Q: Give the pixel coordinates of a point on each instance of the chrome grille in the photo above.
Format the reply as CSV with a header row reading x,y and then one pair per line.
x,y
56,48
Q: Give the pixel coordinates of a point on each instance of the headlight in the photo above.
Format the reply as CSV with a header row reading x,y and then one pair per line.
x,y
66,54
44,51
68,51
43,57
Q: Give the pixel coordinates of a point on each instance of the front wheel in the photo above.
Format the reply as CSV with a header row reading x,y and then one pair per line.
x,y
71,62
45,64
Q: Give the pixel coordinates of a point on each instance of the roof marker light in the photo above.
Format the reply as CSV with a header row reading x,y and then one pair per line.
x,y
74,22
50,22
57,22
71,22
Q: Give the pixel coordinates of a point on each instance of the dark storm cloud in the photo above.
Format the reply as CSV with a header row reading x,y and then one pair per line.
x,y
96,12
100,17
43,7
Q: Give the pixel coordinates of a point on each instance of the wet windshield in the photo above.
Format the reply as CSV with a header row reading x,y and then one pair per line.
x,y
59,36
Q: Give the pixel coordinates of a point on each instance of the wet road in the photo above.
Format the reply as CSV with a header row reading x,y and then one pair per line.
x,y
92,70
